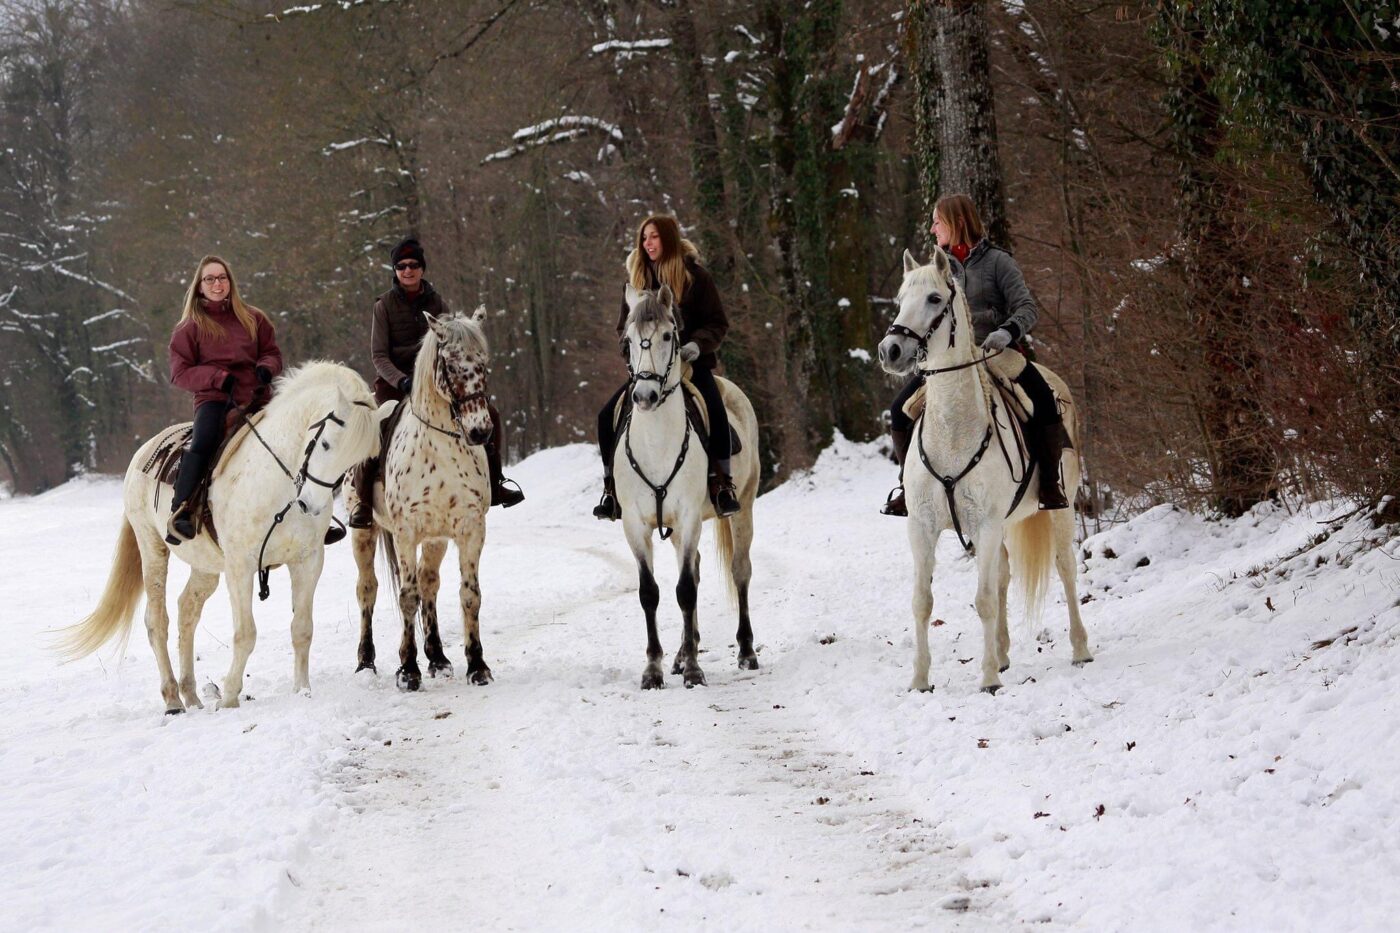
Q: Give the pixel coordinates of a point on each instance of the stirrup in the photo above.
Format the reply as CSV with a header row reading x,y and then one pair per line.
x,y
894,503
175,535
334,532
607,509
504,495
721,485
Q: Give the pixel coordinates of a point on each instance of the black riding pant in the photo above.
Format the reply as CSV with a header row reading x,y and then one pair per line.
x,y
899,421
704,381
208,432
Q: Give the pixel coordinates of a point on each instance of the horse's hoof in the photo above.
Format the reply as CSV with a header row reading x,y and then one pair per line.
x,y
748,662
174,711
444,668
917,687
694,678
1004,668
407,679
652,680
481,677
677,667
991,688
1083,661
367,666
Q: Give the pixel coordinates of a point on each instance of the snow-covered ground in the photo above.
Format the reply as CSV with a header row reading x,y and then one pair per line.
x,y
1217,767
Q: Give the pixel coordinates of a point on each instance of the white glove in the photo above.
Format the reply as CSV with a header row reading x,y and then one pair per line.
x,y
690,352
998,339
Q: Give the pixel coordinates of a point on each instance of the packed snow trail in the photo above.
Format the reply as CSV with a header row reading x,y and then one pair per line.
x,y
1227,762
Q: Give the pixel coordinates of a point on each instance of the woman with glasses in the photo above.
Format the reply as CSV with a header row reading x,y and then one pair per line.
x,y
396,332
224,351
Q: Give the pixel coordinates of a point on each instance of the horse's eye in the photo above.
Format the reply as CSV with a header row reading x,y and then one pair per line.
x,y
325,446
935,299
666,337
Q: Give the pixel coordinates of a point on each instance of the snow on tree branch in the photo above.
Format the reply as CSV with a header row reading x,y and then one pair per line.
x,y
559,129
307,8
627,48
333,148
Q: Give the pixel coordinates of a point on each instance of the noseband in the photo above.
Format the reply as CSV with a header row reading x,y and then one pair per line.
x,y
662,378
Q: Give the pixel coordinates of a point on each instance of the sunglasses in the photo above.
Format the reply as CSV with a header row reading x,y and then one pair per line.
x,y
406,266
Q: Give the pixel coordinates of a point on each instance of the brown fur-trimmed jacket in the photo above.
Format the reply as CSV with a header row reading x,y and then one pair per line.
x,y
703,320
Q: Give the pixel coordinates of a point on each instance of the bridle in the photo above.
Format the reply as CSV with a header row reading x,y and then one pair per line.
x,y
299,480
454,404
646,375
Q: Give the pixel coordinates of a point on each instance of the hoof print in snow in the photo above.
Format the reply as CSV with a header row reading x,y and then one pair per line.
x,y
958,902
1143,562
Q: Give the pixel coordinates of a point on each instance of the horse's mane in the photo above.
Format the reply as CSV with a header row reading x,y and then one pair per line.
x,y
652,311
460,330
308,392
928,274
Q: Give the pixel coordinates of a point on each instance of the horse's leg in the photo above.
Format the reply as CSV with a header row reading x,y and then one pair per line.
x,y
362,543
639,537
741,527
155,565
305,574
687,591
1003,633
922,546
238,577
196,593
408,676
990,547
429,579
469,560
1063,530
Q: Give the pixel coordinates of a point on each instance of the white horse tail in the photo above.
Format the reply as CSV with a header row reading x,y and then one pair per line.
x,y
1031,544
116,607
724,556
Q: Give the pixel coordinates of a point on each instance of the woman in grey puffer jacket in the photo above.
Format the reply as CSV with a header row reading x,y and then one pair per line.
x,y
1003,312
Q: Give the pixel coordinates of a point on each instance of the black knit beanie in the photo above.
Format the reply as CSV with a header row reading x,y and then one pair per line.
x,y
408,248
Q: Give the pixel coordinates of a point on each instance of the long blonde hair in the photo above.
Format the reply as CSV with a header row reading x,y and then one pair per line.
x,y
208,327
675,250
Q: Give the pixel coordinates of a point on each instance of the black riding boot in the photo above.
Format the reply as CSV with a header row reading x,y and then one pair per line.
x,y
191,472
722,494
362,478
607,508
1047,436
894,503
501,494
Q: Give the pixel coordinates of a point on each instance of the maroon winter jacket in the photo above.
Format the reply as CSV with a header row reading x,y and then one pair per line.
x,y
200,364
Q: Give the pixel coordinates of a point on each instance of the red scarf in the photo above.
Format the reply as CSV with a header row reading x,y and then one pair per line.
x,y
960,251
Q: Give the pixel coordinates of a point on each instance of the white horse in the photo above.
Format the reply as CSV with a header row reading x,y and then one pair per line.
x,y
434,487
972,494
662,476
321,420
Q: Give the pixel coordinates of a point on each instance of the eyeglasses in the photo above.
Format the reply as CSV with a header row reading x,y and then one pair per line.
x,y
214,279
408,266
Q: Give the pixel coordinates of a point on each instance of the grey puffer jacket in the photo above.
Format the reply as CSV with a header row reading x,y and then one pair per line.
x,y
996,293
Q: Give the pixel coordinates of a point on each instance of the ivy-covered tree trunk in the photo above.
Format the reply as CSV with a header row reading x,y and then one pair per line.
x,y
1237,434
955,122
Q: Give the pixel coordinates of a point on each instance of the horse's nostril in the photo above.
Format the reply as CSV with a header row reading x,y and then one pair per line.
x,y
894,351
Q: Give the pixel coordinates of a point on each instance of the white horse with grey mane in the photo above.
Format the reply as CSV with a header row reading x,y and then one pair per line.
x,y
321,421
662,472
960,489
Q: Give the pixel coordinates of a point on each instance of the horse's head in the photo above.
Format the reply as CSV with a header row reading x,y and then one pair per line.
x,y
653,336
929,305
340,426
453,363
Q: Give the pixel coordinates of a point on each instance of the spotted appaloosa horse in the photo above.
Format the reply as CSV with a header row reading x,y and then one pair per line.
x,y
971,494
322,417
662,471
434,488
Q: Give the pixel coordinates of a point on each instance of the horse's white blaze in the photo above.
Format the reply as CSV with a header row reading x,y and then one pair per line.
x,y
956,415
247,490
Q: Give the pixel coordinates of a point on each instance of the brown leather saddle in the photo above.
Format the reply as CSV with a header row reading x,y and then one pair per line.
x,y
694,411
164,465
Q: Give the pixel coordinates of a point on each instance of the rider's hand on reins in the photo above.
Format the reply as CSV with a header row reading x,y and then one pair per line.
x,y
690,352
998,339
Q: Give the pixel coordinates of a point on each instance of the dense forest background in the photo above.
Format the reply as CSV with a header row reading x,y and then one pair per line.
x,y
1204,197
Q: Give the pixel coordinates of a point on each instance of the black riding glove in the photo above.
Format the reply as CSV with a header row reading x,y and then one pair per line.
x,y
228,384
406,384
264,375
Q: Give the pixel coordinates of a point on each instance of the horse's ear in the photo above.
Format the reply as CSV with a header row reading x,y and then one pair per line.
x,y
633,296
940,262
666,297
479,315
432,322
910,263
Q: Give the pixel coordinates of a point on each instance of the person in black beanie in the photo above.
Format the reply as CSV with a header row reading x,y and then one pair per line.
x,y
397,329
